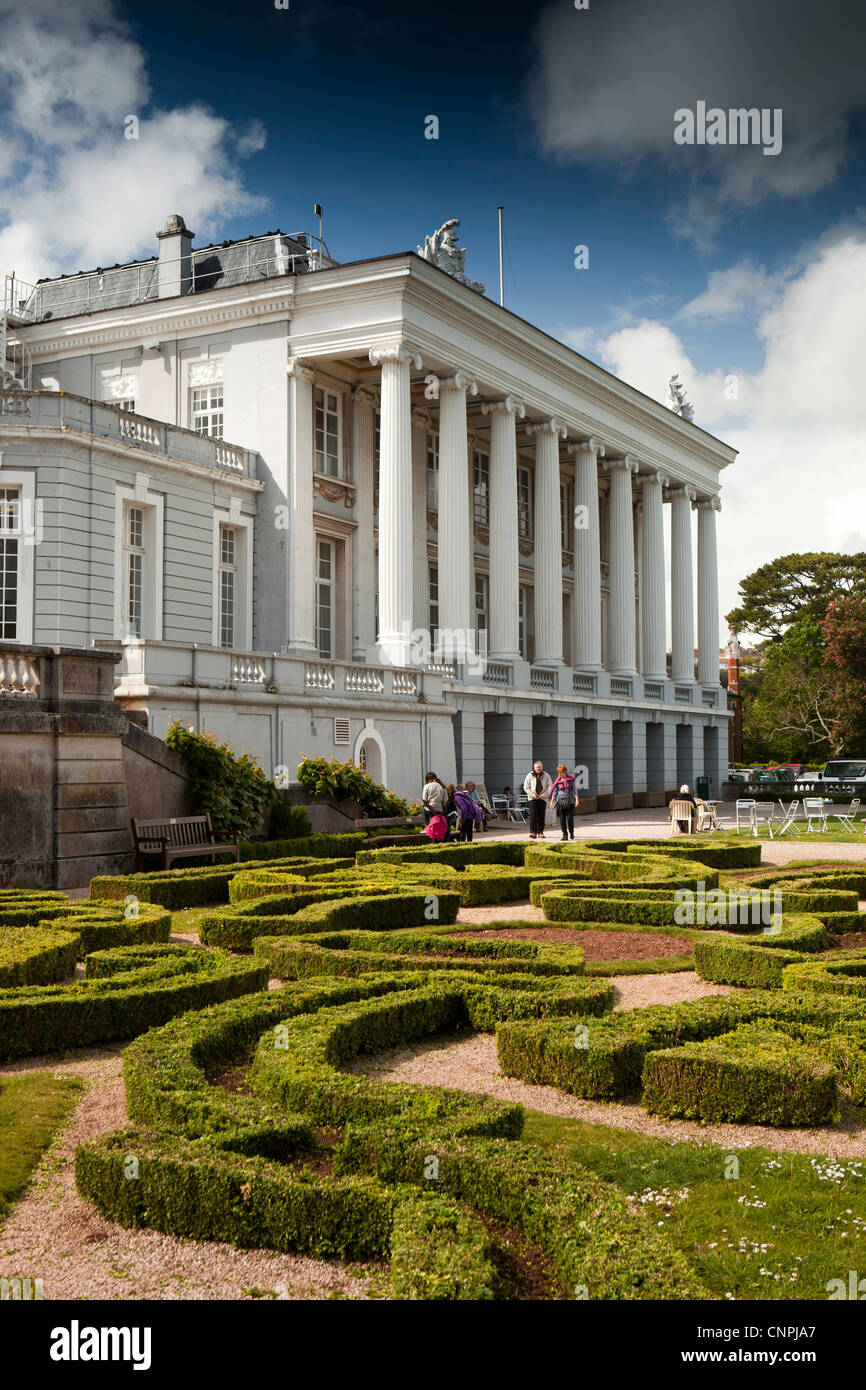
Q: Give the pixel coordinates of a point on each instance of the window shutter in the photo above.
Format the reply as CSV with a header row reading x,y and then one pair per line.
x,y
342,731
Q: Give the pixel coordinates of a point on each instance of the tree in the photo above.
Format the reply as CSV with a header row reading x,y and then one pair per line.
x,y
844,633
787,698
775,596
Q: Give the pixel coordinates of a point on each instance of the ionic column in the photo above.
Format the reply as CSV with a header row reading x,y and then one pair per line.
x,y
587,556
301,626
421,424
504,552
364,404
548,544
395,503
708,591
653,576
682,600
621,623
456,598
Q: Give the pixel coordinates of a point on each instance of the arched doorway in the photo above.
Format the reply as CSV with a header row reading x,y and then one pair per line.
x,y
369,755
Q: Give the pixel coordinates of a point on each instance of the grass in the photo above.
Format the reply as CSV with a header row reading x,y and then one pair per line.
x,y
781,1229
836,836
33,1106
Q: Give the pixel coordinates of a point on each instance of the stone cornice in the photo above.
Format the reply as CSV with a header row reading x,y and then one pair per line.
x,y
153,319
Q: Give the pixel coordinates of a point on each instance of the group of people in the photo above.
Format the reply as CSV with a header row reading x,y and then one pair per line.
x,y
454,812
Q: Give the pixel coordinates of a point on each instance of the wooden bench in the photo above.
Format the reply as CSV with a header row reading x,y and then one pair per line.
x,y
372,824
179,837
388,822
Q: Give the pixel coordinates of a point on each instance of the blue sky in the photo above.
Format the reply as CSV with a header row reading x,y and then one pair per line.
x,y
717,262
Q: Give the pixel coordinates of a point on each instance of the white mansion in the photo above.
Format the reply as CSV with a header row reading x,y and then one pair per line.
x,y
408,460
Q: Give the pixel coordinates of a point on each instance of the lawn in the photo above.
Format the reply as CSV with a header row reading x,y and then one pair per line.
x,y
781,1229
33,1106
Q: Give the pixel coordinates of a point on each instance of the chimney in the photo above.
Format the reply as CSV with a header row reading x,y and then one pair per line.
x,y
175,258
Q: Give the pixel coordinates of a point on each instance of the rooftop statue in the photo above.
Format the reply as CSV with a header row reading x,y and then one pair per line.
x,y
676,401
441,250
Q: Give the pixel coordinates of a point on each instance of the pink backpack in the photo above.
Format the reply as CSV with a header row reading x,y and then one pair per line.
x,y
437,828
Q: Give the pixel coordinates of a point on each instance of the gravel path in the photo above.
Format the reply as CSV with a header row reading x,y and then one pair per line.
x,y
53,1235
472,1064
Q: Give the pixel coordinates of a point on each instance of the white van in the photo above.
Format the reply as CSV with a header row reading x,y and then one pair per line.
x,y
844,775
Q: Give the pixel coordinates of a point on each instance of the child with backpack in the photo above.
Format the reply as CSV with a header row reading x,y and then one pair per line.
x,y
563,799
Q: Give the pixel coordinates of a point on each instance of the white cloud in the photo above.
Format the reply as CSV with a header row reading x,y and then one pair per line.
x,y
74,193
606,82
800,427
744,288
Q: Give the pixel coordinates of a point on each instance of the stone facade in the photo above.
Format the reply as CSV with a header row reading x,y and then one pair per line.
x,y
411,460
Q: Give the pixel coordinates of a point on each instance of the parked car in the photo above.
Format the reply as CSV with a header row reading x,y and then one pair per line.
x,y
844,775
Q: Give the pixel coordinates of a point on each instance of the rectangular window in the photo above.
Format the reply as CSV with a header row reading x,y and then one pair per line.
x,y
524,503
133,572
433,585
228,586
565,514
10,555
207,410
480,602
327,426
432,471
325,598
125,405
521,621
481,480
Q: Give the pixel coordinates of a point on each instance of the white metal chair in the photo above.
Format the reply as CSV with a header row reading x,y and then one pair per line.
x,y
744,808
815,810
520,808
848,816
789,818
763,810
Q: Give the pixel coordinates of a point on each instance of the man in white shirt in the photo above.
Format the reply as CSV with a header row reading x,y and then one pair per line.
x,y
537,787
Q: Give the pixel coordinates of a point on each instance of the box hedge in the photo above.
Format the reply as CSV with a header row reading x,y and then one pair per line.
x,y
755,1074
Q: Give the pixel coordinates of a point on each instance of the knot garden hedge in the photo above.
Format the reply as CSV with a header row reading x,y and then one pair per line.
x,y
309,1155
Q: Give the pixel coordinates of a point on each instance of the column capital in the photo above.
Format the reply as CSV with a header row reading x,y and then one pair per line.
x,y
362,395
551,426
395,352
421,417
593,446
459,381
680,490
508,405
707,504
299,367
627,464
655,475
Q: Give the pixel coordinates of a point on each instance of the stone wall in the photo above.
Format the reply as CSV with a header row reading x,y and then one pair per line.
x,y
73,770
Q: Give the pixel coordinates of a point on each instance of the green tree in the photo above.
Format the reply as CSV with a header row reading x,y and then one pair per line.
x,y
775,596
844,633
788,698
